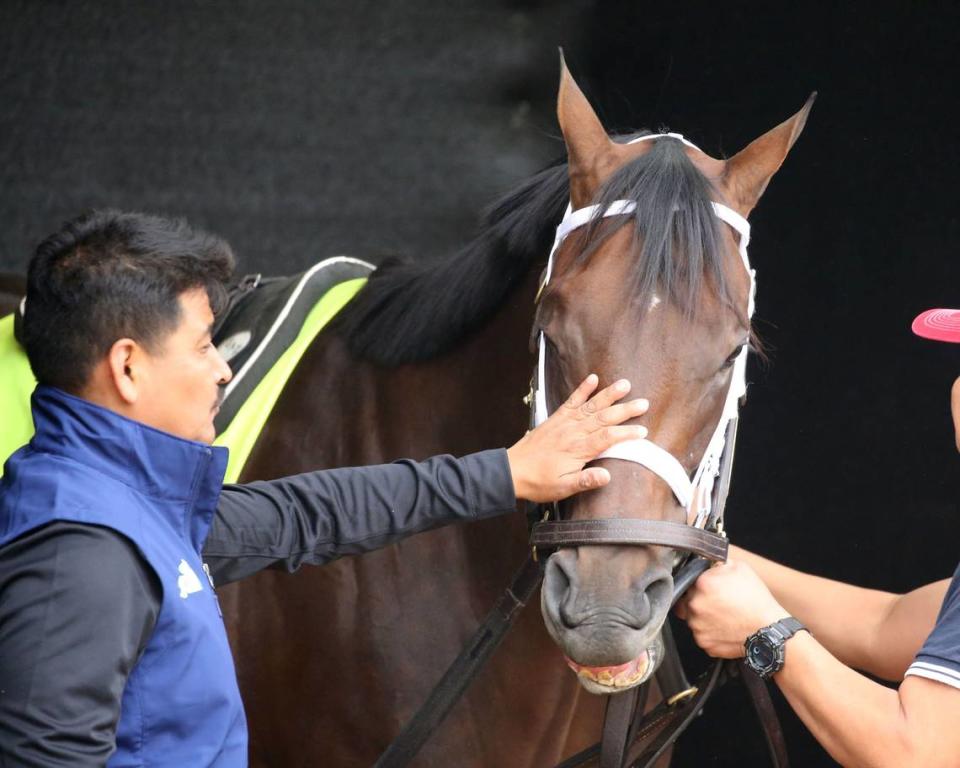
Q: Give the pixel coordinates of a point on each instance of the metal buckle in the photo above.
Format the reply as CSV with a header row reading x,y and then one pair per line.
x,y
682,696
720,531
546,516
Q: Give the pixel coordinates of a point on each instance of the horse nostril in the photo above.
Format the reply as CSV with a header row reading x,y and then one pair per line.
x,y
659,595
651,601
558,581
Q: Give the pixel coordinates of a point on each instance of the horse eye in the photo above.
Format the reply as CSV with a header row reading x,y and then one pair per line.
x,y
732,358
551,345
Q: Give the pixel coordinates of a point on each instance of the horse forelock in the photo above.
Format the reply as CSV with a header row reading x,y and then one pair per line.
x,y
676,241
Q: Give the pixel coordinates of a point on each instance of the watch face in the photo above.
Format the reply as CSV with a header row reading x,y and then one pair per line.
x,y
762,654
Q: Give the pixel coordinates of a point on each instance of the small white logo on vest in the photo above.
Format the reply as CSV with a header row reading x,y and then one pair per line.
x,y
188,581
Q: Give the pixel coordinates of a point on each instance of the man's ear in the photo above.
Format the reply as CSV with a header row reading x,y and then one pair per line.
x,y
122,366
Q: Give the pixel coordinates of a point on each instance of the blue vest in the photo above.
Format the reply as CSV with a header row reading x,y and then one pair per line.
x,y
86,464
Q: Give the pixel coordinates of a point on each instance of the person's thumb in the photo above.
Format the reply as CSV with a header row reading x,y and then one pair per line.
x,y
588,479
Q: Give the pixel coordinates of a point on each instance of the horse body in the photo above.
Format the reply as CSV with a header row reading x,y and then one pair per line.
x,y
334,661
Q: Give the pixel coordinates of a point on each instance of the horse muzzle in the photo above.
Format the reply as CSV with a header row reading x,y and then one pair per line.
x,y
606,624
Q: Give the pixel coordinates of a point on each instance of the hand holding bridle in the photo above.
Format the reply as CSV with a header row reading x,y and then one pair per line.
x,y
726,605
548,463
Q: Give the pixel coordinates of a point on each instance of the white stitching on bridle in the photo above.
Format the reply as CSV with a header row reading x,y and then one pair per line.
x,y
689,493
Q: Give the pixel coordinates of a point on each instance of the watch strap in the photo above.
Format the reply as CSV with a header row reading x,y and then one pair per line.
x,y
776,634
788,627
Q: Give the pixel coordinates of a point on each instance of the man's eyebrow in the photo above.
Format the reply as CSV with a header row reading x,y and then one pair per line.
x,y
208,331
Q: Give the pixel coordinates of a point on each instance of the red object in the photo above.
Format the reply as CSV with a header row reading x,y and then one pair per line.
x,y
938,324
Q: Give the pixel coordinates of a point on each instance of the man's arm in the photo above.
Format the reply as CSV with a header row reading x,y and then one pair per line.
x,y
868,629
860,722
77,607
318,516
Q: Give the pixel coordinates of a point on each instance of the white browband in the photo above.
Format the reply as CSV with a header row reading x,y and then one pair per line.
x,y
693,495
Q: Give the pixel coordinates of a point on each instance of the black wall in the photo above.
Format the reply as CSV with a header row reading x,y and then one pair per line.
x,y
300,129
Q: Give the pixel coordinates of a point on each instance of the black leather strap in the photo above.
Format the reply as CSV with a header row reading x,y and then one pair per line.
x,y
622,709
788,627
763,706
664,724
573,533
465,667
658,730
671,677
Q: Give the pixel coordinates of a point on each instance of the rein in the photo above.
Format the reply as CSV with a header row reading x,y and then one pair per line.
x,y
630,739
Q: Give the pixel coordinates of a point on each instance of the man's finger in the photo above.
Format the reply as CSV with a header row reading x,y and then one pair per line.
x,y
607,396
602,439
583,391
621,412
592,477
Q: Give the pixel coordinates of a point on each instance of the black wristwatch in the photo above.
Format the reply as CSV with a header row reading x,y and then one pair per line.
x,y
765,651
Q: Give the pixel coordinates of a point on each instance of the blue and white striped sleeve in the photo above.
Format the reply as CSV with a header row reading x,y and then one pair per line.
x,y
939,658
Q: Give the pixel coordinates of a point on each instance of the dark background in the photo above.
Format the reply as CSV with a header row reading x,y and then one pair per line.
x,y
302,129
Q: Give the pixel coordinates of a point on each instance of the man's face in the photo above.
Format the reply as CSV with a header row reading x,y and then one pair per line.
x,y
179,389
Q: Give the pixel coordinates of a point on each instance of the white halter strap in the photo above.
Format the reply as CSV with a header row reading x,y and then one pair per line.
x,y
694,496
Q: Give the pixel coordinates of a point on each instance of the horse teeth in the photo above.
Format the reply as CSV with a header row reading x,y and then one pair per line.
x,y
606,678
624,682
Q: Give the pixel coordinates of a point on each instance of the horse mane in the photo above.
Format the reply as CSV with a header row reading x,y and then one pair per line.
x,y
413,311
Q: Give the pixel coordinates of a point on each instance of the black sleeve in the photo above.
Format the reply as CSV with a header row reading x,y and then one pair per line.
x,y
77,606
319,516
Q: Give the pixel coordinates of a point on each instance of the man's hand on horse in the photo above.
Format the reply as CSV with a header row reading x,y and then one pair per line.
x,y
549,462
726,605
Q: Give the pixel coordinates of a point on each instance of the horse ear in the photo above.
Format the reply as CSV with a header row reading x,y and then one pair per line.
x,y
748,172
589,149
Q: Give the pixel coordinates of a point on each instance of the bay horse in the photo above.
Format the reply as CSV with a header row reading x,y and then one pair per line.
x,y
436,357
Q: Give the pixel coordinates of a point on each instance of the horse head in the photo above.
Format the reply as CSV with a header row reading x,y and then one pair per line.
x,y
653,286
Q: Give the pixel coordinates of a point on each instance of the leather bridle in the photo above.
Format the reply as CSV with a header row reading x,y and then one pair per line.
x,y
697,495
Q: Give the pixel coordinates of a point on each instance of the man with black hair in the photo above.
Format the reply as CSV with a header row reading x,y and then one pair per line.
x,y
811,634
112,649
